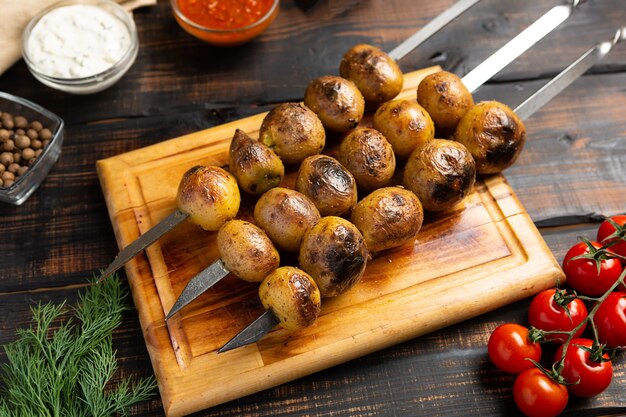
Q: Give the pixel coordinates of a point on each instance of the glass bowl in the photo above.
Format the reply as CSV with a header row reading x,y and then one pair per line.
x,y
26,184
225,37
93,83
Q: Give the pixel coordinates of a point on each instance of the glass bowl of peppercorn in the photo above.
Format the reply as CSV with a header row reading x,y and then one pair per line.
x,y
30,143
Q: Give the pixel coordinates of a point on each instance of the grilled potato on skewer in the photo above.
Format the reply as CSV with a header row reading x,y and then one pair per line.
x,y
293,132
328,184
337,102
405,124
285,215
493,134
293,296
209,195
333,252
375,73
369,157
441,173
445,98
255,166
388,217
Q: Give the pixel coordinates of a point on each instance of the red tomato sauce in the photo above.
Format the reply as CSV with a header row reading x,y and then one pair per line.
x,y
224,14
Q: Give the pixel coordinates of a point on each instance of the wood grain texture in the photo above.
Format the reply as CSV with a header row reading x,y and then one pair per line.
x,y
431,281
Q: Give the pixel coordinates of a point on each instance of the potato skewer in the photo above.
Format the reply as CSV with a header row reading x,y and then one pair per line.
x,y
263,325
291,298
207,196
248,250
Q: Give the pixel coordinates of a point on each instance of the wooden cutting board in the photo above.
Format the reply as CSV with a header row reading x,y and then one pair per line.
x,y
480,256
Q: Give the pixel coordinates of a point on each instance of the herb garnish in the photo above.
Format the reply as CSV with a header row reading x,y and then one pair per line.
x,y
65,371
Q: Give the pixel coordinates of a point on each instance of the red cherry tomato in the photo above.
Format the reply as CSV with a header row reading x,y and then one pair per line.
x,y
545,314
509,347
582,274
537,395
610,320
606,230
592,377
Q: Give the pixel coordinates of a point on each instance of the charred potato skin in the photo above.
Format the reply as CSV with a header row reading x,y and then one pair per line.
x,y
388,218
405,124
333,252
337,102
445,98
367,154
330,186
209,195
375,73
255,166
293,132
246,250
293,296
285,215
493,134
441,173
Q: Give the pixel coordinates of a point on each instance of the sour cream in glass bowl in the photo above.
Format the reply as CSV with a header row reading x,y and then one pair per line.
x,y
80,46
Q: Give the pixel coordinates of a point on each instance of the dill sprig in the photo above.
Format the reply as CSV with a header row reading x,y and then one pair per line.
x,y
63,368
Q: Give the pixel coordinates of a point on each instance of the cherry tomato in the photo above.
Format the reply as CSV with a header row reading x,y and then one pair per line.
x,y
592,377
606,230
610,319
537,395
544,313
509,347
582,274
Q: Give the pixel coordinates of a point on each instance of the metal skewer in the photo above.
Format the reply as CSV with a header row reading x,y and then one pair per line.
x,y
431,28
519,44
199,284
143,242
268,320
568,75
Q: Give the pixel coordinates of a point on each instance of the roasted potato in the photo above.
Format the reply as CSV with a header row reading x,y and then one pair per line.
x,y
369,157
255,166
246,250
441,173
293,131
333,252
337,102
375,73
285,215
445,98
405,124
293,296
328,184
388,217
209,195
493,134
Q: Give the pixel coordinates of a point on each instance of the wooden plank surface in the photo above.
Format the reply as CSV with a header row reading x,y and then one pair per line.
x,y
482,255
62,234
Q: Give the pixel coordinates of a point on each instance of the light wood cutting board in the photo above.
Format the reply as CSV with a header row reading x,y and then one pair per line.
x,y
480,256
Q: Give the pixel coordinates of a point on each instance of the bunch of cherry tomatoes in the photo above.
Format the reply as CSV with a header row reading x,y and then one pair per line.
x,y
595,300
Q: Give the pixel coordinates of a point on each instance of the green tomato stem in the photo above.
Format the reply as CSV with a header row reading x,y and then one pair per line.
x,y
558,368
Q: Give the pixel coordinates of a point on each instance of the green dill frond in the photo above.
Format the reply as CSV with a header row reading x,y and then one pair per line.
x,y
66,371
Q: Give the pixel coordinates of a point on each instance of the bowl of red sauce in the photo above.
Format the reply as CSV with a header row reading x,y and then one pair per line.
x,y
225,22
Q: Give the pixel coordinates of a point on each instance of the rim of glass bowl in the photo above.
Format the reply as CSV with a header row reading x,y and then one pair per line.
x,y
180,15
118,11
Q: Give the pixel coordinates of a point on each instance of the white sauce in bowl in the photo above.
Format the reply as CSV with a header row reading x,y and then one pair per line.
x,y
77,41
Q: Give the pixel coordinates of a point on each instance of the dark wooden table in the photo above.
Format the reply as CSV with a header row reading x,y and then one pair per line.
x,y
572,170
